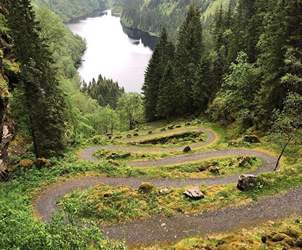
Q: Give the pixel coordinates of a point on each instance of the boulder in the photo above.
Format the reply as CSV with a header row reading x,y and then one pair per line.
x,y
145,188
164,191
251,139
214,170
135,134
171,127
244,161
246,182
194,193
150,132
187,149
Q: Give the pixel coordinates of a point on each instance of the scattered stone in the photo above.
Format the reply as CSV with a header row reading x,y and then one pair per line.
x,y
163,129
187,149
115,156
109,136
188,124
118,137
214,170
42,162
194,193
145,188
171,127
177,126
164,191
150,132
244,161
251,139
203,168
129,136
136,130
107,195
26,163
264,239
247,182
278,237
135,134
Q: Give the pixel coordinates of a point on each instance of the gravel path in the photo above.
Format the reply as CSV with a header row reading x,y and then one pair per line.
x,y
169,229
87,154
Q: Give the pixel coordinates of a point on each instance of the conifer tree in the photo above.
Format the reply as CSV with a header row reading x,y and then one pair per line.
x,y
163,52
166,101
188,56
45,102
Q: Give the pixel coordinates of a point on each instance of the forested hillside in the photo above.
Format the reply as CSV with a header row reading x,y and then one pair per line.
x,y
151,16
72,10
249,73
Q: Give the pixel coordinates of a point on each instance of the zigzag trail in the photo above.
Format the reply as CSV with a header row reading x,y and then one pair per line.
x,y
159,229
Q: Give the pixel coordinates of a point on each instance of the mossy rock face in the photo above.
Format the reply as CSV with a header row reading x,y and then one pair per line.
x,y
146,188
26,163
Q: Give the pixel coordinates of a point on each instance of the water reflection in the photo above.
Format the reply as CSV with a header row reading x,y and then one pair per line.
x,y
111,52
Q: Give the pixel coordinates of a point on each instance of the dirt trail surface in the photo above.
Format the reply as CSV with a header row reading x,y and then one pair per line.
x,y
168,229
88,153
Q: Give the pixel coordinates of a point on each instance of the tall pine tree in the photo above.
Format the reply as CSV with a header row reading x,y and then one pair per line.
x,y
189,52
45,102
163,52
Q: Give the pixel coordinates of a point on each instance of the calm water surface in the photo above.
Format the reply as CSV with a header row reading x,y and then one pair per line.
x,y
111,52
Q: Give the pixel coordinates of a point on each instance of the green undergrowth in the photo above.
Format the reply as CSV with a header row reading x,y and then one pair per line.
x,y
201,169
286,234
105,204
19,229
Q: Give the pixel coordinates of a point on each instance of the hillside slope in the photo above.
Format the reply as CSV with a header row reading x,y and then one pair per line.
x,y
72,10
151,15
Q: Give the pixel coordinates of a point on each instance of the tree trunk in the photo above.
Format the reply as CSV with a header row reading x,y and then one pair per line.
x,y
6,136
281,154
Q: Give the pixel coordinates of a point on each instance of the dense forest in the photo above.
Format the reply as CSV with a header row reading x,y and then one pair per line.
x,y
72,10
152,16
259,68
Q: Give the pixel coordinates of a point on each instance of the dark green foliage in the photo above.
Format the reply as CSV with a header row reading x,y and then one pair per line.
x,y
188,57
167,92
105,91
72,10
44,100
163,53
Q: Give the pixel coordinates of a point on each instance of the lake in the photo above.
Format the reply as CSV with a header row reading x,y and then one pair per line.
x,y
111,52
